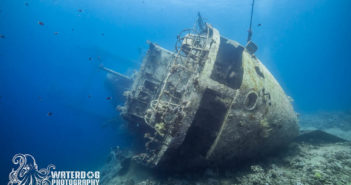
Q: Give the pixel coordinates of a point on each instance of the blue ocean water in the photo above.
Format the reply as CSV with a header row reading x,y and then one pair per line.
x,y
54,102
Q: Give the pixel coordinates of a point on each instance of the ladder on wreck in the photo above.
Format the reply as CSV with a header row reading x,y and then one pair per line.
x,y
192,48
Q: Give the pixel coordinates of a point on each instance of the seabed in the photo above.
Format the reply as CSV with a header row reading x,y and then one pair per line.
x,y
314,158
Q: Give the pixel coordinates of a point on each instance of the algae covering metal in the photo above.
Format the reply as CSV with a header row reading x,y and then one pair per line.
x,y
212,102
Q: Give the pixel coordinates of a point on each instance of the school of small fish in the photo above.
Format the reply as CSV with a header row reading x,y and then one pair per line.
x,y
41,23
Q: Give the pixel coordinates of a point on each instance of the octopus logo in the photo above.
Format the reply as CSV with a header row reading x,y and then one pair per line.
x,y
28,173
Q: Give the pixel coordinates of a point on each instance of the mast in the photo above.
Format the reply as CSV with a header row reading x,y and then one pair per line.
x,y
250,30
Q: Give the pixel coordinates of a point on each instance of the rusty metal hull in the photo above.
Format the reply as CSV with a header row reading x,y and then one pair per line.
x,y
211,102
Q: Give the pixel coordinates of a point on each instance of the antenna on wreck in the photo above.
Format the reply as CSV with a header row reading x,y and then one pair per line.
x,y
201,24
250,30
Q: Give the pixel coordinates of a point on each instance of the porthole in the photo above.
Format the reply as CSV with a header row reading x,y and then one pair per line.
x,y
250,100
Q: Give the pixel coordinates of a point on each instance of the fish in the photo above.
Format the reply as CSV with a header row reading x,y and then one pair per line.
x,y
49,113
108,98
41,23
89,96
2,36
56,33
90,58
80,10
259,24
102,34
26,4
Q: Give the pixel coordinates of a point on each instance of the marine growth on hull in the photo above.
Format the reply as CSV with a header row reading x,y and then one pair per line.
x,y
211,102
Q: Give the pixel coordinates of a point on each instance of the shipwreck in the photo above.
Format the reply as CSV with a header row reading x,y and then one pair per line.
x,y
211,102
